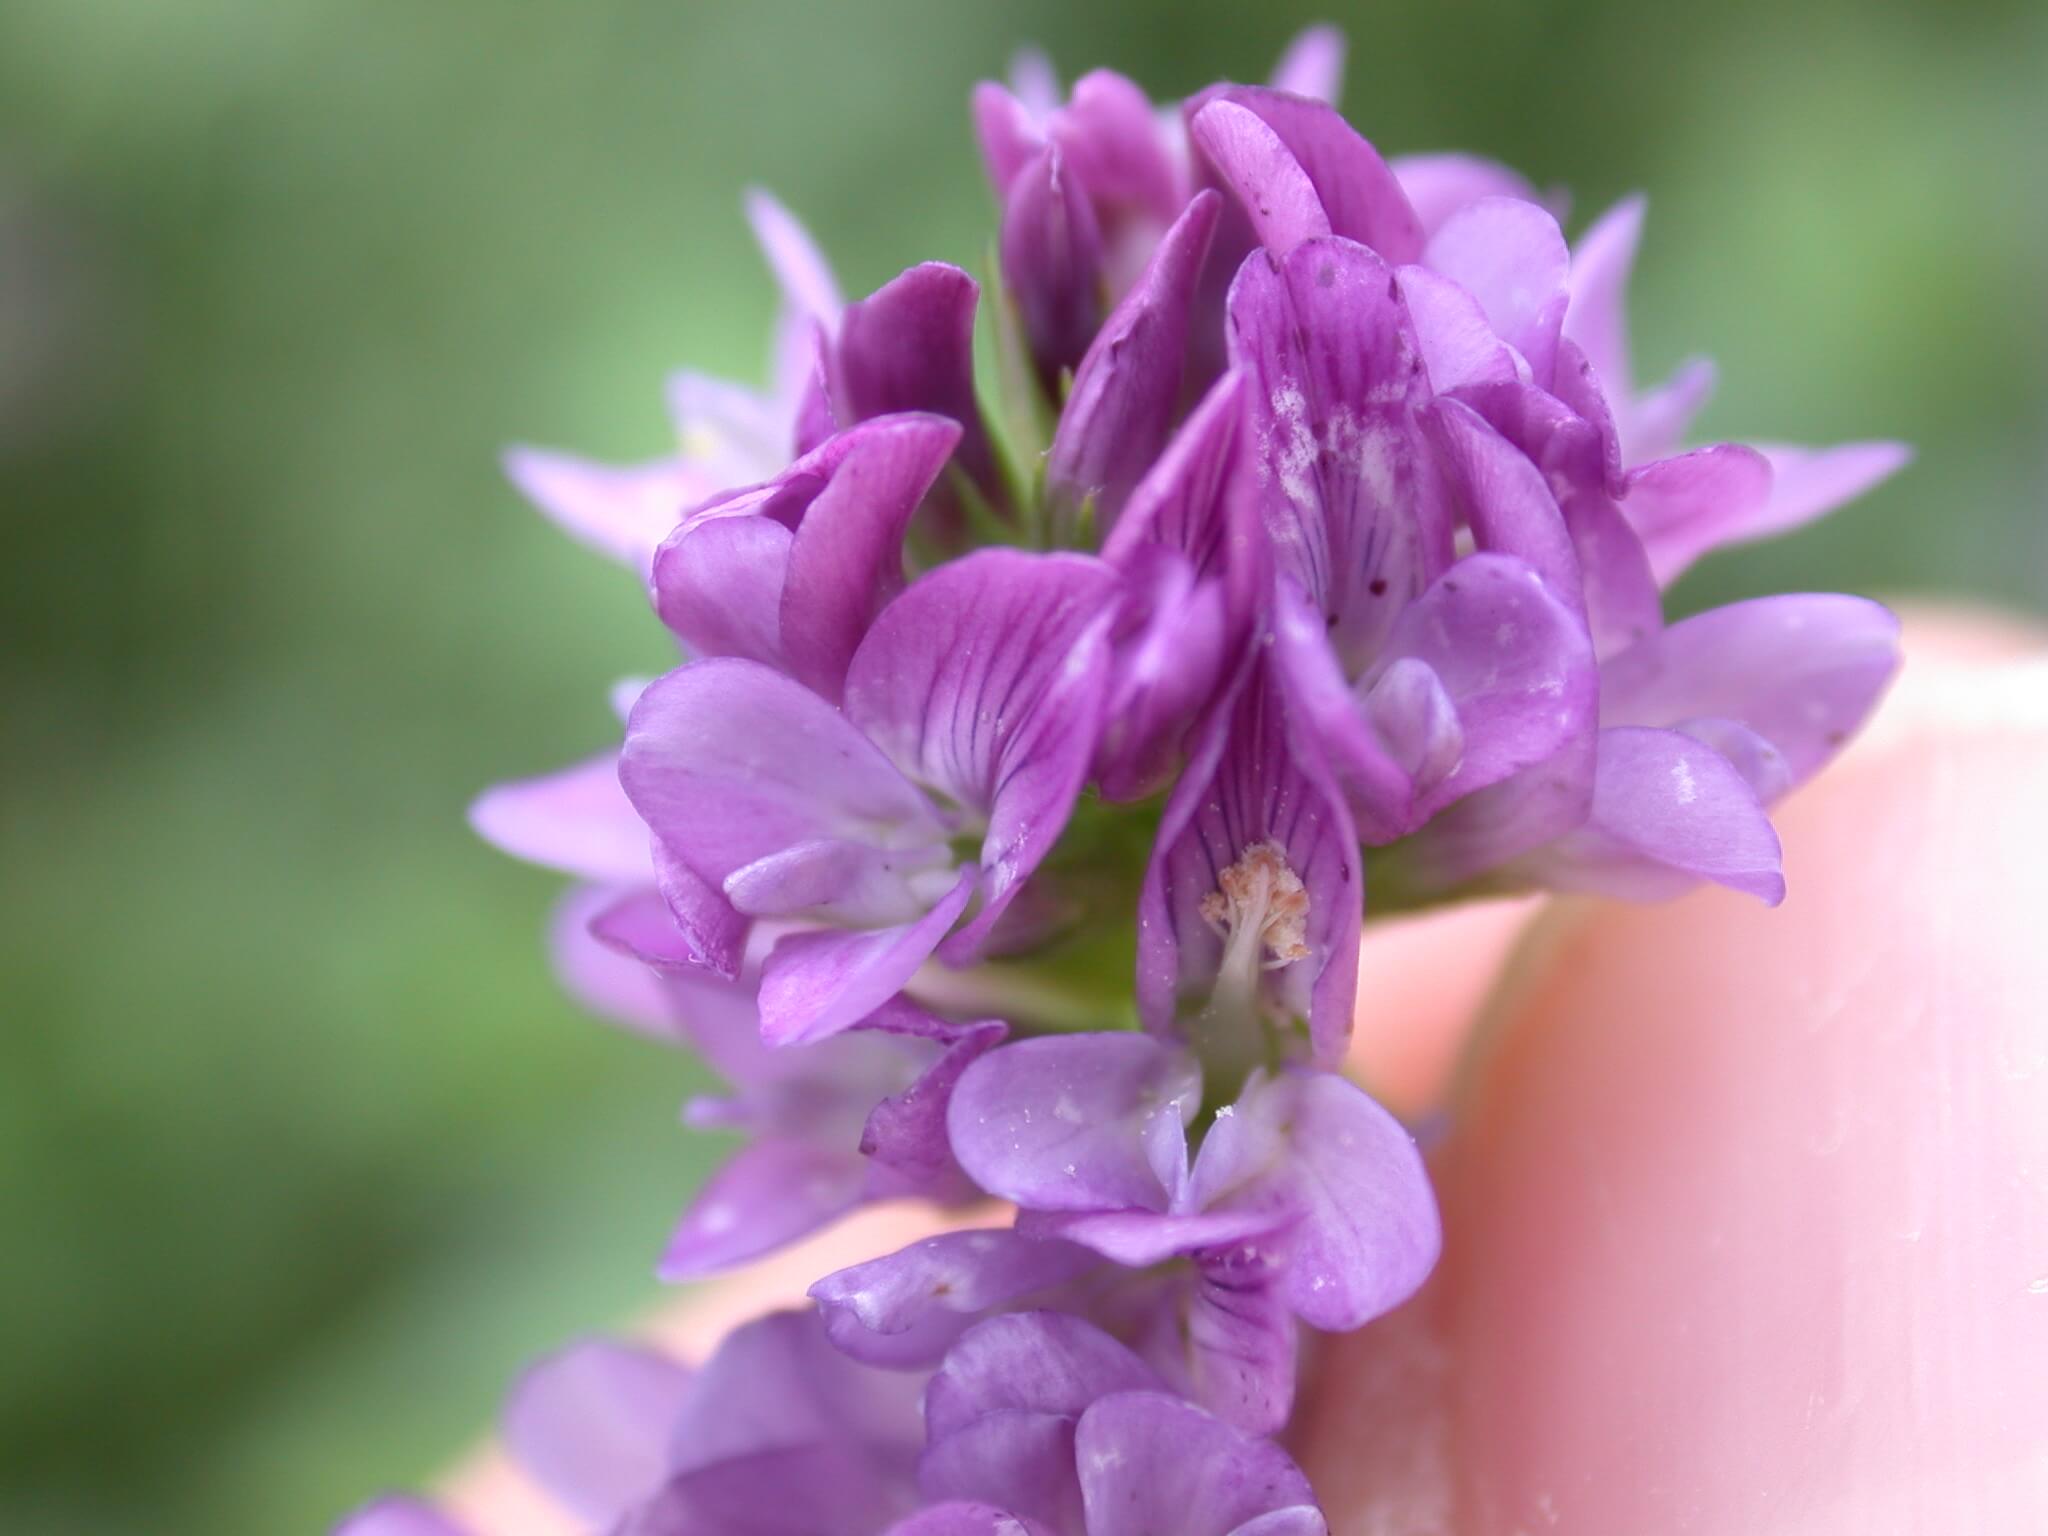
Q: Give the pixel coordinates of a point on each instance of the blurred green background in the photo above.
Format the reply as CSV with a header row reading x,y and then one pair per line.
x,y
300,1152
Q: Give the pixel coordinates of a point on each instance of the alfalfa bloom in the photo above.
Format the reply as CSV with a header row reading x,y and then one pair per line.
x,y
1009,824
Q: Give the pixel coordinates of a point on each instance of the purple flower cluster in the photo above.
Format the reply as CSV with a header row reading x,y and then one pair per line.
x,y
1008,827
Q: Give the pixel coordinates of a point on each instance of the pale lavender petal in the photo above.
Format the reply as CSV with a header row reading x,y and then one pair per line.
x,y
1653,425
1061,1123
779,1382
1052,264
731,762
818,1488
640,926
1580,391
614,986
1254,807
1668,812
847,558
622,511
1801,670
1139,1239
718,584
591,1424
1150,1463
1039,1362
1009,136
1360,195
1366,1232
397,1516
577,820
732,435
1623,603
1268,182
1376,787
1019,1461
713,930
905,1308
1490,827
1685,506
1511,257
984,680
904,1138
909,346
1598,317
1313,65
816,984
1440,185
1458,343
808,286
1807,483
1119,413
765,1196
1295,1520
1350,496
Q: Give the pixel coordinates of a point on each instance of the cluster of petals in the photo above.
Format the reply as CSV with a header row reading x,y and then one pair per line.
x,y
1312,526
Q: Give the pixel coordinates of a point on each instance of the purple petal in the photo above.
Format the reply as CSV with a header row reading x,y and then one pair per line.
x,y
1312,65
1360,195
1111,138
1052,264
1238,1343
1254,812
1120,411
1654,424
734,435
1501,495
1366,1233
640,925
1801,670
1668,812
1169,652
1511,257
713,932
623,512
612,985
718,584
1151,1463
1350,498
1062,1123
1598,317
1438,186
905,1137
1623,603
1017,1460
909,346
1040,1362
847,558
1490,827
395,1516
958,1517
905,1309
577,820
1807,483
731,763
984,680
1458,343
1187,499
816,984
1685,506
764,1197
591,1424
1262,173
1512,664
814,1489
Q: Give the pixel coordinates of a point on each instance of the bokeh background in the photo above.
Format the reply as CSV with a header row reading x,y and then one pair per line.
x,y
300,1152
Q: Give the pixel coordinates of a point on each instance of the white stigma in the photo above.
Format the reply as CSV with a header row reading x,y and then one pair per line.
x,y
1260,910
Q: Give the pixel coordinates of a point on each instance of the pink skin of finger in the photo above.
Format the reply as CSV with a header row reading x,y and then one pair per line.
x,y
1746,1211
